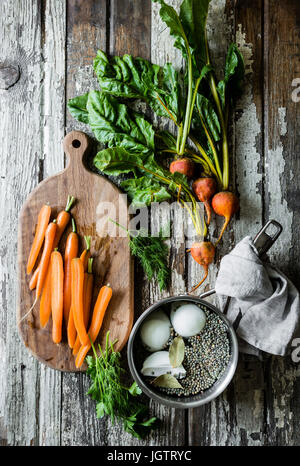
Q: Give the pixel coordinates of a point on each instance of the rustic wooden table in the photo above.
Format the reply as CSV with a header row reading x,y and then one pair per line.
x,y
46,57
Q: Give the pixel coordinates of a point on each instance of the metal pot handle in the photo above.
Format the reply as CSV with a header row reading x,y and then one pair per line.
x,y
263,241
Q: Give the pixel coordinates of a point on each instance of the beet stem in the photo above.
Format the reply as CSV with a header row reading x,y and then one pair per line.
x,y
203,279
208,212
223,229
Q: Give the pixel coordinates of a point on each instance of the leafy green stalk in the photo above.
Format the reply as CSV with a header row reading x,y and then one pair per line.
x,y
225,174
213,148
179,137
137,78
206,158
199,111
116,160
187,11
113,398
189,104
188,29
234,73
152,253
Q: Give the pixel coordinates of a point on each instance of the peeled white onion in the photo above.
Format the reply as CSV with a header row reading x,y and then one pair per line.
x,y
160,315
158,363
159,358
188,320
155,333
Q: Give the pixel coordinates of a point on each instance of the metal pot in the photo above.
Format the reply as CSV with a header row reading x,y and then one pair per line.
x,y
263,242
174,401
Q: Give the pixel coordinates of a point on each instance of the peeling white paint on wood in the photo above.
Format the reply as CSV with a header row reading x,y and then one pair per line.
x,y
245,48
247,155
20,127
53,124
163,51
281,417
278,206
282,121
219,34
54,86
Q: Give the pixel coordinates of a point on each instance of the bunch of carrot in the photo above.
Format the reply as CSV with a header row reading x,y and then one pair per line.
x,y
64,284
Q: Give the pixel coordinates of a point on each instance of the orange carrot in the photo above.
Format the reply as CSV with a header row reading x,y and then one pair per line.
x,y
57,288
87,298
101,305
71,252
44,263
77,275
63,219
45,259
45,304
86,254
34,278
71,330
43,220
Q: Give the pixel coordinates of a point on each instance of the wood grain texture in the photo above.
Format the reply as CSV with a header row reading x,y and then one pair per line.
x,y
52,44
230,419
86,31
21,129
163,51
206,424
281,198
134,30
97,199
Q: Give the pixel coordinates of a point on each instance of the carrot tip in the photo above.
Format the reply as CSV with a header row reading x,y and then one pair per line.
x,y
87,240
90,265
70,202
73,225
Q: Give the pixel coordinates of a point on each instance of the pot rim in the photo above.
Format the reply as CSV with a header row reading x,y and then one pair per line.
x,y
180,403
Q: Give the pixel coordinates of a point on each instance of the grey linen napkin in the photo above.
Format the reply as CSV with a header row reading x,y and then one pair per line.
x,y
267,299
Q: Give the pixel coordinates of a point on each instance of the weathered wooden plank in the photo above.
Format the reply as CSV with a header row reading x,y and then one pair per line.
x,y
229,420
53,49
282,140
204,421
247,401
20,129
86,32
42,65
53,122
173,429
133,32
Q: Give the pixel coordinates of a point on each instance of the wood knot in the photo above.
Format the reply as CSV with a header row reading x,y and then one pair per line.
x,y
9,75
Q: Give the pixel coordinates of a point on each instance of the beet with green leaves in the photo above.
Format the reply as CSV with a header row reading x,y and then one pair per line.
x,y
203,253
225,204
184,166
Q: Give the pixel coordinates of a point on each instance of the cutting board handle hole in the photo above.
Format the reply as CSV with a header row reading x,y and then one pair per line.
x,y
76,143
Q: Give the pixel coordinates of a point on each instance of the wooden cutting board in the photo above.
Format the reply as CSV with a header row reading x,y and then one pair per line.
x,y
96,199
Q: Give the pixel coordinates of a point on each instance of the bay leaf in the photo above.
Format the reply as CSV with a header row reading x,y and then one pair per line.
x,y
176,352
166,381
